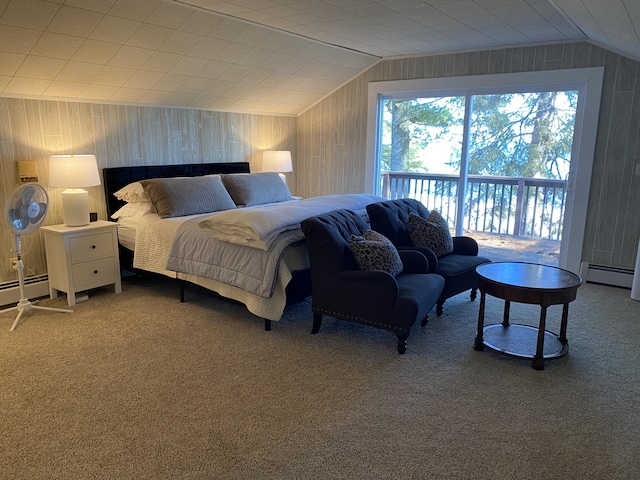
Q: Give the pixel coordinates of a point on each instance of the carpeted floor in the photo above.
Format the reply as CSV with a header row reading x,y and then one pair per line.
x,y
140,386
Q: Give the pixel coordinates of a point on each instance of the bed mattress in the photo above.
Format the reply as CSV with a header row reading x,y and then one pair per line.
x,y
153,241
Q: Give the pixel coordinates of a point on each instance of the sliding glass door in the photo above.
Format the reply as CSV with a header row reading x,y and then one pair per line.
x,y
499,158
420,154
512,141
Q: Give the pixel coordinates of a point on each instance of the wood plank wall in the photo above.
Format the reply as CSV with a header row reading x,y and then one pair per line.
x,y
327,141
332,134
121,135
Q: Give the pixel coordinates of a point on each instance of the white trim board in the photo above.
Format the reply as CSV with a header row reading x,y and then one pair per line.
x,y
35,287
615,277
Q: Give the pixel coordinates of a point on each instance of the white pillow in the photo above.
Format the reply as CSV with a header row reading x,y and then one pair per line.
x,y
132,193
134,210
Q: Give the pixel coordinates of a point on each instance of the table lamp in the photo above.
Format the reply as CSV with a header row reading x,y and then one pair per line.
x,y
73,172
277,161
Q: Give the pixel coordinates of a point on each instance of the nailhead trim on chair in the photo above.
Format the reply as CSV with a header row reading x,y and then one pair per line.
x,y
361,320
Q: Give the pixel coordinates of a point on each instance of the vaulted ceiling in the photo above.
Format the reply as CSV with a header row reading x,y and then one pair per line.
x,y
266,56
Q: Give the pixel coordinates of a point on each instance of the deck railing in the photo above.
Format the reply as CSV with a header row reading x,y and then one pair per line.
x,y
530,207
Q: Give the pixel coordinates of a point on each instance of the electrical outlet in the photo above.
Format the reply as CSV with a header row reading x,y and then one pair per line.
x,y
13,263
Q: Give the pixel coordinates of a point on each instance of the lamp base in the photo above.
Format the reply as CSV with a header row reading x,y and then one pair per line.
x,y
75,207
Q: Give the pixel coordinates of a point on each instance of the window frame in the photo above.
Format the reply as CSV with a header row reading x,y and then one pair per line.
x,y
587,81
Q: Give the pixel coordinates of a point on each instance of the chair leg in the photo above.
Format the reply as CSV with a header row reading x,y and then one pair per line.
x,y
425,320
317,322
474,294
439,308
267,325
402,343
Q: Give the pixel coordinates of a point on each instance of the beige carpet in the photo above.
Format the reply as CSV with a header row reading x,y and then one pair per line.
x,y
140,386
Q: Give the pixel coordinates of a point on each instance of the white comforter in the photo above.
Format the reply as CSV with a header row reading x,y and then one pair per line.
x,y
258,227
153,240
238,271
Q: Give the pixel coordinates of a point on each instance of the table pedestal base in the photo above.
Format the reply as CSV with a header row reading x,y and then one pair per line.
x,y
520,341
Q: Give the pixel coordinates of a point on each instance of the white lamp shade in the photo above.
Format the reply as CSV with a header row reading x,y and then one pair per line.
x,y
73,171
276,161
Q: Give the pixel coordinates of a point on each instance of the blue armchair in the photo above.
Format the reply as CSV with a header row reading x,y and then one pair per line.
x,y
342,290
458,268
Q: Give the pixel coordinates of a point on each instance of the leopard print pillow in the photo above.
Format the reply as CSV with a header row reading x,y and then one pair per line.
x,y
374,251
431,232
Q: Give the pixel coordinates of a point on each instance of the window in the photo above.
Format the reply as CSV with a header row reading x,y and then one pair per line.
x,y
462,134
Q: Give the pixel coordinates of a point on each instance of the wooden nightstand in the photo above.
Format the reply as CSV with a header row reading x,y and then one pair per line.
x,y
81,258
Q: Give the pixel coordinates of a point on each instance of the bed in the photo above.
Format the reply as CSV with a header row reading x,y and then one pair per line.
x,y
250,250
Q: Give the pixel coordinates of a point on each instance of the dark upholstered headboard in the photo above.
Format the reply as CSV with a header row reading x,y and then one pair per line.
x,y
117,177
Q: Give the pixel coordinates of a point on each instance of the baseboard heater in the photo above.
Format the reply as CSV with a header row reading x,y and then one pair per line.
x,y
34,287
614,276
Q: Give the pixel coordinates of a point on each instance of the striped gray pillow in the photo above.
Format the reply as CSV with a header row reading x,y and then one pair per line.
x,y
256,188
175,197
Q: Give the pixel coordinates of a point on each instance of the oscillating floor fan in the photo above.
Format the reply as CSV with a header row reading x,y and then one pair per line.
x,y
26,209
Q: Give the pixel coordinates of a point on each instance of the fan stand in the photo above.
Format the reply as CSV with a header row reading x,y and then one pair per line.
x,y
24,304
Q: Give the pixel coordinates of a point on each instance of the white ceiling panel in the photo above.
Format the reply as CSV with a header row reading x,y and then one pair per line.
x,y
266,56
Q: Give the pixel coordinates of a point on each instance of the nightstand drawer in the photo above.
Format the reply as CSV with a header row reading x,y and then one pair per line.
x,y
96,272
88,247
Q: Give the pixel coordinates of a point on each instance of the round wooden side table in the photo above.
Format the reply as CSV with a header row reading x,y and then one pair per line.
x,y
528,283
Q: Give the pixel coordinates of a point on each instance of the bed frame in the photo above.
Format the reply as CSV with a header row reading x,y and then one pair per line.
x,y
117,177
